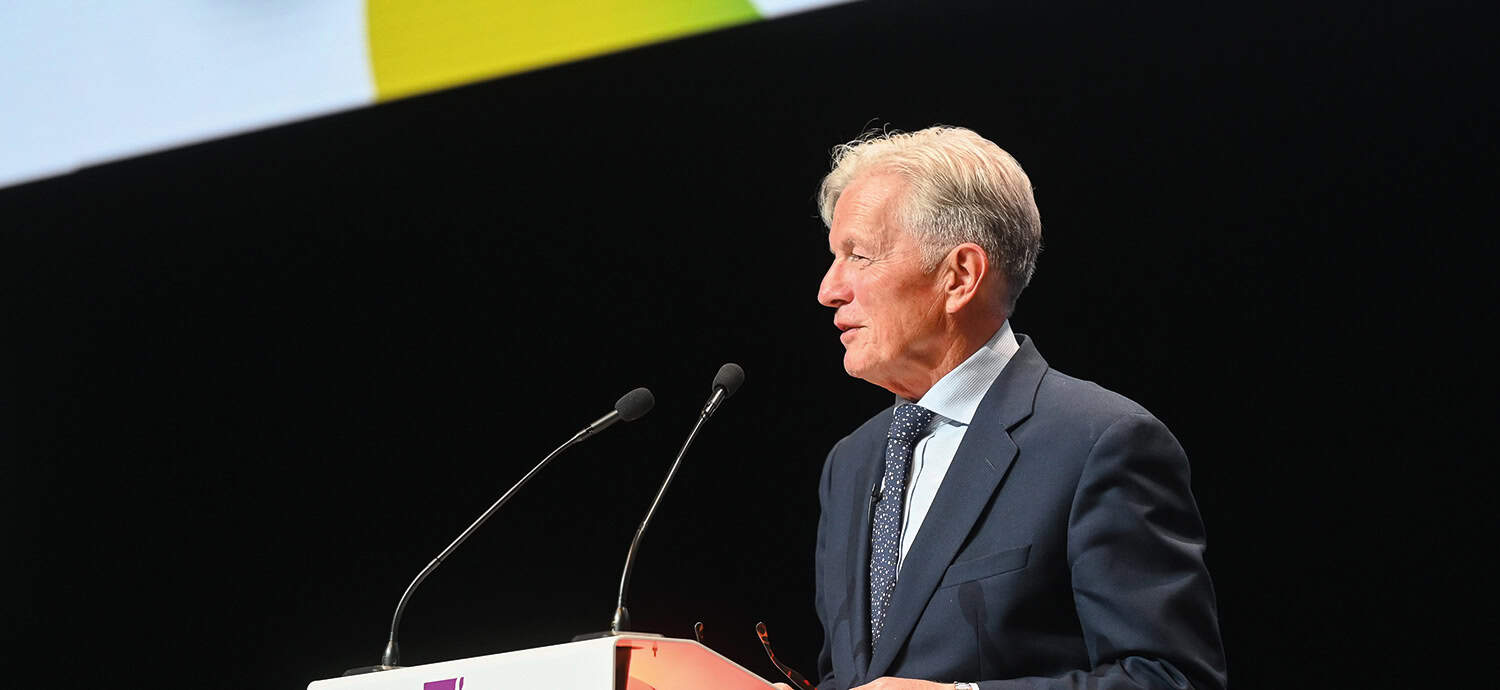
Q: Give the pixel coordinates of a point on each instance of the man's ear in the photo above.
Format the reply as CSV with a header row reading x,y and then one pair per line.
x,y
966,272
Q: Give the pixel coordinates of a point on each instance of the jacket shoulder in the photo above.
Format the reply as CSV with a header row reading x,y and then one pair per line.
x,y
839,457
1087,407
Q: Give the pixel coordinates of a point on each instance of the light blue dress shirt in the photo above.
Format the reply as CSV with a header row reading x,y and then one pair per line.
x,y
954,398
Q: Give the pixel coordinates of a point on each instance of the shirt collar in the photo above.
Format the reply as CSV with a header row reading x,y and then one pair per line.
x,y
956,396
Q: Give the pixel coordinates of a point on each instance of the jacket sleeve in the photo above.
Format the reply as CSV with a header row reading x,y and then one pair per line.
x,y
1135,551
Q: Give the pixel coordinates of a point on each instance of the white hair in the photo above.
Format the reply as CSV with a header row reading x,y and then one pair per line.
x,y
961,188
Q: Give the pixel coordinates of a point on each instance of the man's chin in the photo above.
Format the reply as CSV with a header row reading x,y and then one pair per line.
x,y
862,370
872,375
852,365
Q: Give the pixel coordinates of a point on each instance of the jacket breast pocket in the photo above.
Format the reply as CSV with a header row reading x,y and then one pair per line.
x,y
985,566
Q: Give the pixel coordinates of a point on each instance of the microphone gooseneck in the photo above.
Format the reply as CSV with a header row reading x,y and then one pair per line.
x,y
630,407
726,383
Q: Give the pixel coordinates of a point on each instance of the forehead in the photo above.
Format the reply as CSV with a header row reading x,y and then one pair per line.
x,y
865,209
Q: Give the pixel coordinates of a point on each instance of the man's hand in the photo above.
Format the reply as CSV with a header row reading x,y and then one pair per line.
x,y
904,684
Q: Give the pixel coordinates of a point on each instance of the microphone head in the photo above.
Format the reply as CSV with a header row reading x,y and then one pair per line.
x,y
730,378
636,404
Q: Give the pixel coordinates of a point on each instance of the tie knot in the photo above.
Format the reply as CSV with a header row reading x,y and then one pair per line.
x,y
910,422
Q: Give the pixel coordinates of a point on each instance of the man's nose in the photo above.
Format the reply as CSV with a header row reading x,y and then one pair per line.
x,y
834,290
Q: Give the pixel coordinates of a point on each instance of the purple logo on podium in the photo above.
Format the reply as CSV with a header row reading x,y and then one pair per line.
x,y
446,684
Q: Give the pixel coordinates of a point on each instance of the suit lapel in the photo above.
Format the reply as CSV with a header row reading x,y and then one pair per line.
x,y
869,472
982,460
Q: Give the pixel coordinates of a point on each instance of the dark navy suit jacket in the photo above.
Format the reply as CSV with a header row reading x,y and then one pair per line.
x,y
1064,550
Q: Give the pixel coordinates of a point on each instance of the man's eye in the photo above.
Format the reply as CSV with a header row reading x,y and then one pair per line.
x,y
856,257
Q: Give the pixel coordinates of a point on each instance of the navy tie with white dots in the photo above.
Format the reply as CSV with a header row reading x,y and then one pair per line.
x,y
908,424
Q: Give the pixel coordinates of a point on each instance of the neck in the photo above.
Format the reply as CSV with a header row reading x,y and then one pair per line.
x,y
956,342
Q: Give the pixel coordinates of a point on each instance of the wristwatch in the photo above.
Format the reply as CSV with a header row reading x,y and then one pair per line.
x,y
965,686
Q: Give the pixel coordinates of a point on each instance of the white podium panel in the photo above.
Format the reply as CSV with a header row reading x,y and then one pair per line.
x,y
659,663
643,663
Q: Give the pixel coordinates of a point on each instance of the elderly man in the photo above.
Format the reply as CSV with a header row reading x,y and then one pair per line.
x,y
1003,525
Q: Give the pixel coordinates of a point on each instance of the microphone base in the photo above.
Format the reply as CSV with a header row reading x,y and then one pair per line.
x,y
368,669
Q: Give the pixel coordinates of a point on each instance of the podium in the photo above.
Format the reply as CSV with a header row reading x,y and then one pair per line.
x,y
626,662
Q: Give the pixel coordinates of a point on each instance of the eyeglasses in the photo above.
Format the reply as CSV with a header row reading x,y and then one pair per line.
x,y
791,674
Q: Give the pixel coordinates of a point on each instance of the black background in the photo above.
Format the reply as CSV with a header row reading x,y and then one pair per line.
x,y
251,386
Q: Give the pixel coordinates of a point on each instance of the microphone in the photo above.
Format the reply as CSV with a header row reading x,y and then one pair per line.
x,y
726,383
729,379
630,407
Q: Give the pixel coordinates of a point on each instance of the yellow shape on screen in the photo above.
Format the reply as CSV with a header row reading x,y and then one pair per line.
x,y
424,45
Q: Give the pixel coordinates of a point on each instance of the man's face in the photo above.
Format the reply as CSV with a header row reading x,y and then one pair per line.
x,y
889,310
